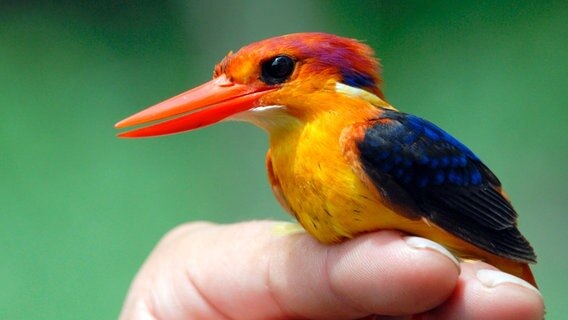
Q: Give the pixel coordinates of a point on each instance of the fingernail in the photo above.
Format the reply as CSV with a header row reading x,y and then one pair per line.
x,y
493,278
283,228
422,243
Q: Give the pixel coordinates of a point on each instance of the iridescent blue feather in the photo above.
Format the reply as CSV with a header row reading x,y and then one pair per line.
x,y
418,166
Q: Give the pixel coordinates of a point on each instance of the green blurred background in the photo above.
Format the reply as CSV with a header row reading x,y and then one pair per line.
x,y
81,209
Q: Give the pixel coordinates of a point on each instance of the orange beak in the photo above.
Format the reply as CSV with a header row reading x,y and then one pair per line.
x,y
207,104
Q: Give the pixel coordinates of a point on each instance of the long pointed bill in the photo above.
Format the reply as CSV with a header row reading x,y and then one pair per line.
x,y
201,106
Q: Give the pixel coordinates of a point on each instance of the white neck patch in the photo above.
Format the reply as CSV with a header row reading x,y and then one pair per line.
x,y
267,117
362,94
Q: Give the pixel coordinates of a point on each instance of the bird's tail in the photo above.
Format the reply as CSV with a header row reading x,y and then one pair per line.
x,y
527,275
518,269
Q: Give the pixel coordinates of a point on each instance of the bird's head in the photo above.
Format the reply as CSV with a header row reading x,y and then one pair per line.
x,y
293,76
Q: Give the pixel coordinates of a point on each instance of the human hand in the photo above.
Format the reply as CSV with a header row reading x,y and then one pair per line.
x,y
246,271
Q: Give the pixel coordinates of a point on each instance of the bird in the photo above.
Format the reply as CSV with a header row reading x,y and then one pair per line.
x,y
342,160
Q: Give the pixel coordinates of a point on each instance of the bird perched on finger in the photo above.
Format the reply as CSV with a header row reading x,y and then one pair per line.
x,y
342,160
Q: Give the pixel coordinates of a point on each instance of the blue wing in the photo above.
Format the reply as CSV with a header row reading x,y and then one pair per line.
x,y
418,166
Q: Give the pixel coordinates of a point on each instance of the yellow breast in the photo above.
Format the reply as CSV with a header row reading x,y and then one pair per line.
x,y
320,187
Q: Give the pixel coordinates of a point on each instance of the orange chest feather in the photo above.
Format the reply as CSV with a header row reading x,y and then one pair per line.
x,y
319,186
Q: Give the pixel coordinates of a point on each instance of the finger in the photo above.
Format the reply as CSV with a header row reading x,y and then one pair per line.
x,y
483,292
161,290
378,273
245,271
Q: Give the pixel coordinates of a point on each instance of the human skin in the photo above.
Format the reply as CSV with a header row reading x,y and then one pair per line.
x,y
251,271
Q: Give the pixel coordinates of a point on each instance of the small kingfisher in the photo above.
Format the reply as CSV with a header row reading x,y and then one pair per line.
x,y
342,160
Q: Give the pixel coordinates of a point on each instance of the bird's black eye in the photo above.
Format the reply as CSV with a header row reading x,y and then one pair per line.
x,y
277,70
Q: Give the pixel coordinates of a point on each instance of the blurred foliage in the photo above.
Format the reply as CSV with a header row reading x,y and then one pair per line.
x,y
80,209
